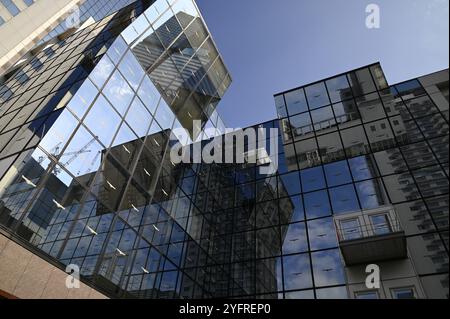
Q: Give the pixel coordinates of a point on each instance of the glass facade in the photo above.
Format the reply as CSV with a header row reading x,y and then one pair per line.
x,y
86,176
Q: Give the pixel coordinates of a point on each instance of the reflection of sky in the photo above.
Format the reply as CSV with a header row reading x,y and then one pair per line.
x,y
328,268
297,272
322,233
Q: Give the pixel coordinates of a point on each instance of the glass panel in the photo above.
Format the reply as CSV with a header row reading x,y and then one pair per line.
x,y
361,82
118,92
139,118
323,120
380,224
331,148
317,204
103,121
281,107
301,126
355,142
371,194
307,153
409,90
346,114
366,295
339,89
328,268
312,179
83,99
296,102
403,293
344,200
350,229
297,272
149,95
102,72
337,173
370,107
131,70
317,95
295,240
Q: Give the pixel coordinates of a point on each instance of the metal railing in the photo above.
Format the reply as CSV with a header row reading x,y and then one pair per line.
x,y
367,230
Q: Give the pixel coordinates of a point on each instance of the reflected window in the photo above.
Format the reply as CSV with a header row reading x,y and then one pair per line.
x,y
307,153
297,272
149,95
366,295
103,121
312,179
350,229
355,141
343,199
328,268
83,99
301,126
380,224
322,233
403,293
370,107
139,118
401,188
337,173
361,82
296,102
362,168
317,204
165,116
281,107
131,70
371,194
410,89
339,89
296,240
102,72
289,183
323,119
331,148
317,95
118,92
346,113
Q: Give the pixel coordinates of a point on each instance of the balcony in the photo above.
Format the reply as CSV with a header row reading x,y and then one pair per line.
x,y
371,236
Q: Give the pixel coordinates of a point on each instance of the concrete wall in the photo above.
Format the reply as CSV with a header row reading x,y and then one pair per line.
x,y
27,276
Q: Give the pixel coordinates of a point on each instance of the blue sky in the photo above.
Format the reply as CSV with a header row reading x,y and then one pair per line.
x,y
271,46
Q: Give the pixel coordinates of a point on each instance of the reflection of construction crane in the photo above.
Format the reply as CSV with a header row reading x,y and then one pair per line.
x,y
74,155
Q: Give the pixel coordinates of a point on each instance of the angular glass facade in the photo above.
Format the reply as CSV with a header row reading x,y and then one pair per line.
x,y
86,176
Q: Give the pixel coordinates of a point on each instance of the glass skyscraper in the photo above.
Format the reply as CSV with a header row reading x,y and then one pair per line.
x,y
86,176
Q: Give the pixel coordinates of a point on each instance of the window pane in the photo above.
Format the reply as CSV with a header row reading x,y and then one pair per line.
x,y
339,89
296,102
355,142
301,126
331,148
297,272
312,179
317,204
118,92
337,173
295,240
361,82
344,200
323,120
371,194
317,95
370,107
322,234
328,268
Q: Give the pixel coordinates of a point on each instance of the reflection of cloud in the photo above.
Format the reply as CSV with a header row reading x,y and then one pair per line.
x,y
328,268
297,272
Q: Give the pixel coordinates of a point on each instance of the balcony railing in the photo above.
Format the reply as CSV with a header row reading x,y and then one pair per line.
x,y
373,241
